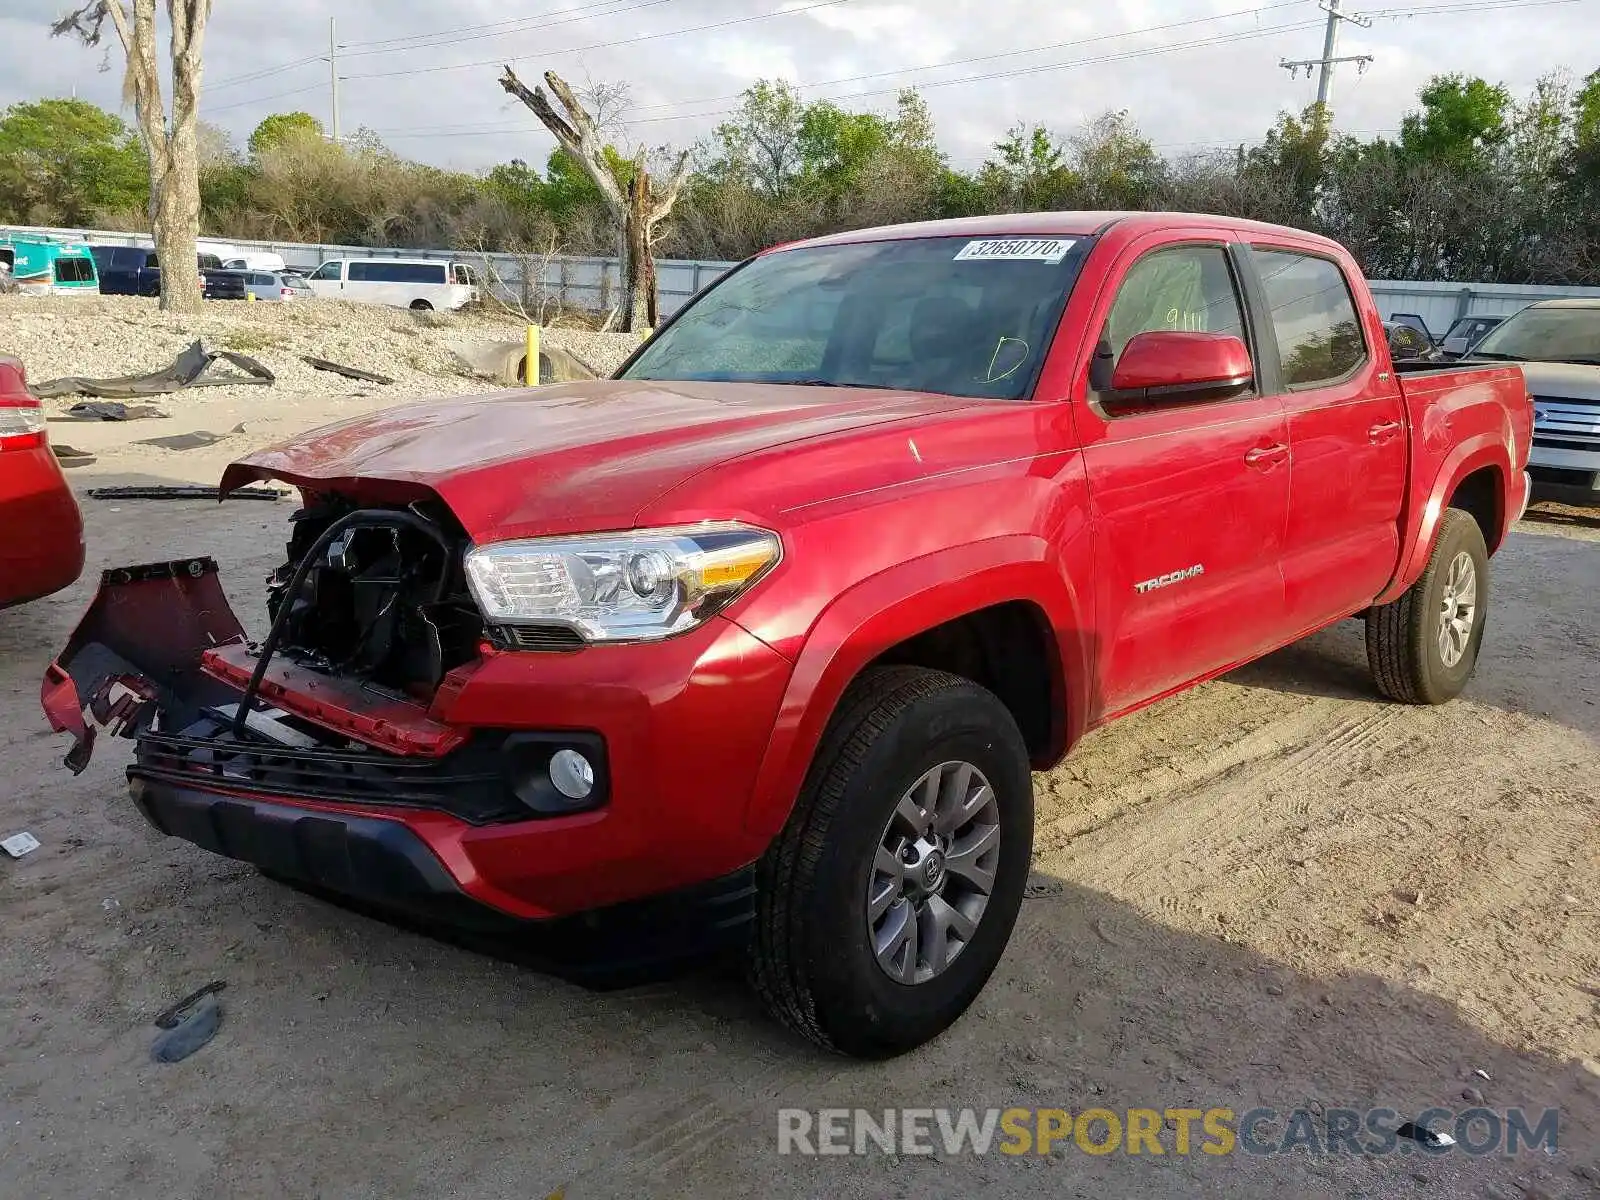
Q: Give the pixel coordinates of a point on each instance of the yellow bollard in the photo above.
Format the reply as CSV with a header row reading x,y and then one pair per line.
x,y
249,297
530,361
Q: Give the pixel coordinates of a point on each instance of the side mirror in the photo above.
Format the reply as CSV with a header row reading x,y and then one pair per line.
x,y
1169,365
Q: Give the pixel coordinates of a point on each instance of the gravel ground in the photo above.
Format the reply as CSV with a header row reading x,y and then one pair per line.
x,y
1274,890
108,336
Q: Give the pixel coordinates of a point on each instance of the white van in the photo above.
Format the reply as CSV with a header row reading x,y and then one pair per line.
x,y
253,260
404,282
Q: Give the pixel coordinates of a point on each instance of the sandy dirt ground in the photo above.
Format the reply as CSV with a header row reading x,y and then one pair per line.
x,y
1275,890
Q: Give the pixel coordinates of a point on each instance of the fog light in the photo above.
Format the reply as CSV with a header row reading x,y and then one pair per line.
x,y
572,774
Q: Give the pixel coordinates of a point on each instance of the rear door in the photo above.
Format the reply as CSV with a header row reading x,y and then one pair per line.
x,y
1189,500
1347,434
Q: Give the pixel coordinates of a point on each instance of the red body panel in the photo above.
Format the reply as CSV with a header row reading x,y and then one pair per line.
x,y
41,529
1156,548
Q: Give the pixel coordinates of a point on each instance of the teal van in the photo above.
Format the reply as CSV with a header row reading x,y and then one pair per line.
x,y
50,265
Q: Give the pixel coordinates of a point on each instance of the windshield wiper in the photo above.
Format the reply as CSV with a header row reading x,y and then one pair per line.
x,y
839,383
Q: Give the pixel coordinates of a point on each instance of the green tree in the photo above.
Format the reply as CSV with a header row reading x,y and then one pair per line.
x,y
64,162
760,147
281,129
1115,164
1029,172
1461,123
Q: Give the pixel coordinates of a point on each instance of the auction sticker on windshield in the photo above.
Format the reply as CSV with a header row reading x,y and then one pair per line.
x,y
1046,250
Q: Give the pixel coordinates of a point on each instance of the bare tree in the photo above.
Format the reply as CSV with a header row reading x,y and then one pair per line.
x,y
635,210
169,139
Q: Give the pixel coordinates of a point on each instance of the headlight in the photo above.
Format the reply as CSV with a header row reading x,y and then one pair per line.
x,y
620,587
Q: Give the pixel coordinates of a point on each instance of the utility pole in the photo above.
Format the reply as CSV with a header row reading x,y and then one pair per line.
x,y
1330,54
333,79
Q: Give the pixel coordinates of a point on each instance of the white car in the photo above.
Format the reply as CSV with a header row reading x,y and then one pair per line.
x,y
417,283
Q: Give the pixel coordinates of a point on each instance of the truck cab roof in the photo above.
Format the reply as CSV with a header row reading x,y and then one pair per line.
x,y
1087,223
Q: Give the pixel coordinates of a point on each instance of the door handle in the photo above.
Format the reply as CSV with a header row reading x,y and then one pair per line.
x,y
1264,458
1383,431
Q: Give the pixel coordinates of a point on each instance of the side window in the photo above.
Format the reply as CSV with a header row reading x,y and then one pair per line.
x,y
1313,315
1187,288
152,262
74,270
362,271
328,270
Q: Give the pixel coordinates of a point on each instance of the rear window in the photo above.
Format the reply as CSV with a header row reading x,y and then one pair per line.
x,y
74,270
1313,315
958,316
397,272
210,262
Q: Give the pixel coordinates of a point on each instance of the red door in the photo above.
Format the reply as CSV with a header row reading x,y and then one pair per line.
x,y
1346,435
1188,499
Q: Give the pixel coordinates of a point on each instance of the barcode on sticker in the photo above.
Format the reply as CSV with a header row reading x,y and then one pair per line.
x,y
1045,250
19,844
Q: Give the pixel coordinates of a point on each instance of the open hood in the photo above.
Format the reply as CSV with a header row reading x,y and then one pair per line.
x,y
566,458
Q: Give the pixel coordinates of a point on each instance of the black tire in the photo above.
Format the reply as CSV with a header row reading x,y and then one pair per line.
x,y
812,959
421,306
1403,635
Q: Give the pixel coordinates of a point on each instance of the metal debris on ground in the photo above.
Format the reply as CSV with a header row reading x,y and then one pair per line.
x,y
183,492
322,364
189,1032
172,1014
109,410
192,368
182,441
1424,1137
19,844
69,456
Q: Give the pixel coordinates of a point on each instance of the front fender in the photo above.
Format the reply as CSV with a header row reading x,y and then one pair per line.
x,y
887,608
1486,449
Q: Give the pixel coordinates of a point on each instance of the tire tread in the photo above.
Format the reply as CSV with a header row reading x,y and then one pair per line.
x,y
1396,631
777,960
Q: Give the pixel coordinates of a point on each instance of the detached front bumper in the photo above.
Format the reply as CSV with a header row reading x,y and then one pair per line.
x,y
423,810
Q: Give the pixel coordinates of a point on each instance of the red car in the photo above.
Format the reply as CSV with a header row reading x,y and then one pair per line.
x,y
758,642
41,529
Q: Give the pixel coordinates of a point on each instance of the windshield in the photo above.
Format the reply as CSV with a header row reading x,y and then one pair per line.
x,y
959,316
1545,335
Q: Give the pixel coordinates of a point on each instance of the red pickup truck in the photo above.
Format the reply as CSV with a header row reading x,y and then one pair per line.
x,y
758,642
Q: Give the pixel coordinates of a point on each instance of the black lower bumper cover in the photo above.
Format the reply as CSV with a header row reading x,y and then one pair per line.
x,y
383,869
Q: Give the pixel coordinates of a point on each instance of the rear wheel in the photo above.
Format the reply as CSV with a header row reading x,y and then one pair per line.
x,y
421,306
1423,646
889,897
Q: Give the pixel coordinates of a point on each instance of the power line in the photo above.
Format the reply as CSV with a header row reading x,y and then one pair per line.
x,y
1220,39
959,62
587,12
262,99
264,73
427,41
643,37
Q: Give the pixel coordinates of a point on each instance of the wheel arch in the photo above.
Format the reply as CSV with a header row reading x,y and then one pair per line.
x,y
932,611
1477,471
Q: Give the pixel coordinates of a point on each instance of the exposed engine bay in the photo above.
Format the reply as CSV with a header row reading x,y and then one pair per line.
x,y
380,596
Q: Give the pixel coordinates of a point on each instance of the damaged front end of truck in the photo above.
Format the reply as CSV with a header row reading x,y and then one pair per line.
x,y
371,628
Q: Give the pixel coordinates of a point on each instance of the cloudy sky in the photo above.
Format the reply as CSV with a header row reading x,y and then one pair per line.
x,y
1194,73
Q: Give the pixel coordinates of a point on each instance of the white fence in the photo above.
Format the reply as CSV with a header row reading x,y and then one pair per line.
x,y
594,283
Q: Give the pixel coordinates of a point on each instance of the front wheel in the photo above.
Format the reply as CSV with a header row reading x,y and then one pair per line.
x,y
885,904
1423,646
421,306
